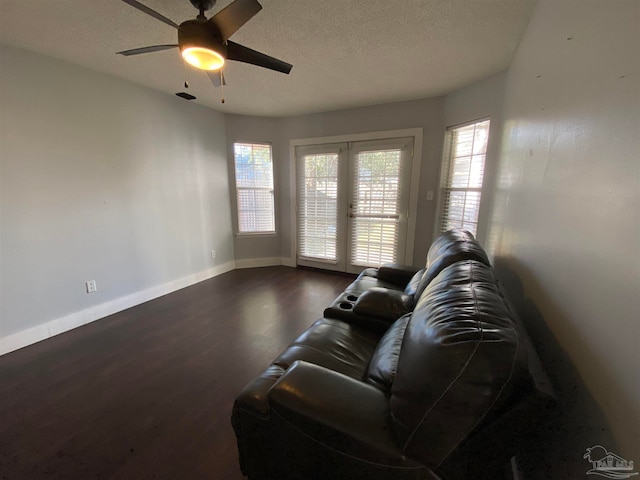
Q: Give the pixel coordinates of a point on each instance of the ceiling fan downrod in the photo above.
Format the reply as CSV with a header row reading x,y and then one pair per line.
x,y
203,6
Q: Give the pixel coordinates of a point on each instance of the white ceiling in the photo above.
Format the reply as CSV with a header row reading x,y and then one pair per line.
x,y
345,53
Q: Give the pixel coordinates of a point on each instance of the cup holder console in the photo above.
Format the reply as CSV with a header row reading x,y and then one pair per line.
x,y
344,304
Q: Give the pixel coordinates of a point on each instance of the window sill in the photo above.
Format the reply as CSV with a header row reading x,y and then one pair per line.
x,y
256,234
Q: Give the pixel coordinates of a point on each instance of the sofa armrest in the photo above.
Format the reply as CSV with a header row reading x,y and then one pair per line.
x,y
396,273
383,303
253,397
336,410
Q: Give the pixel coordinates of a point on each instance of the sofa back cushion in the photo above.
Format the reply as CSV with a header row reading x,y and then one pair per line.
x,y
384,361
450,247
459,363
414,283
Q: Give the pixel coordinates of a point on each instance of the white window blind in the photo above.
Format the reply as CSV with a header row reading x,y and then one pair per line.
x,y
462,176
318,206
254,187
375,207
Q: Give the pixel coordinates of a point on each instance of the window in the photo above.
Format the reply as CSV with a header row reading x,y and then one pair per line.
x,y
254,187
462,176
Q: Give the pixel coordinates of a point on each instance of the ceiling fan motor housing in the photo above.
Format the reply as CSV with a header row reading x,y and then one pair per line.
x,y
194,33
203,4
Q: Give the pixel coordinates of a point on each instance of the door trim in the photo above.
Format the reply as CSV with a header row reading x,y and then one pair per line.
x,y
416,133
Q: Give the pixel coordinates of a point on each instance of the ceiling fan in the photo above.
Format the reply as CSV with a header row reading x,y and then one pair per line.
x,y
204,43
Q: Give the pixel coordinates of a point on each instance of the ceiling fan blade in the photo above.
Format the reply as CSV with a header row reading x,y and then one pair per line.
x,y
233,16
216,78
240,53
149,11
138,51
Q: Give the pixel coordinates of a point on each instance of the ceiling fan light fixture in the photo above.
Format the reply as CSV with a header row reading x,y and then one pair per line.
x,y
203,58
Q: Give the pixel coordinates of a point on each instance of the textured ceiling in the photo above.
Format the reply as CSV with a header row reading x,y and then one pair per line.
x,y
345,53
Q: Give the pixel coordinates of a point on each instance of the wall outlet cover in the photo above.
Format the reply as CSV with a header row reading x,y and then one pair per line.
x,y
91,286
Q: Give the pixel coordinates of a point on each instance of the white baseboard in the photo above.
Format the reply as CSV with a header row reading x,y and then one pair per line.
x,y
288,262
258,262
60,325
266,262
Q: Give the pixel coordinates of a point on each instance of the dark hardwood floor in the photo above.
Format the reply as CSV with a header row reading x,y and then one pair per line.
x,y
147,393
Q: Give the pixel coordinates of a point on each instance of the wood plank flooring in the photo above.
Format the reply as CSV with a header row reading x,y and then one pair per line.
x,y
147,393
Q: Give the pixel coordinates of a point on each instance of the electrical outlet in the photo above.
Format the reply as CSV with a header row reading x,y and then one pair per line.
x,y
213,255
91,286
430,195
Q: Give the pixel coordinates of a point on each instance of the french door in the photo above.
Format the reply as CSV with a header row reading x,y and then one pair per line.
x,y
352,203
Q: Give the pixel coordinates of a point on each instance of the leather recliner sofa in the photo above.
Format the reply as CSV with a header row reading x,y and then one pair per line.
x,y
379,296
451,390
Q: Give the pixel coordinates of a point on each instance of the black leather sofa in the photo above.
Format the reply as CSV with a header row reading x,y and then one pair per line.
x,y
450,390
379,296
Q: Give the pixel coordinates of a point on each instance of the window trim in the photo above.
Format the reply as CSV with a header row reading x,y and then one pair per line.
x,y
236,219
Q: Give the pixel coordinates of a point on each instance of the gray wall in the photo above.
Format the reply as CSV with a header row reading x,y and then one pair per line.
x,y
567,216
427,113
101,179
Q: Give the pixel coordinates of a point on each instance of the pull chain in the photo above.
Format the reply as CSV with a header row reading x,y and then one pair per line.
x,y
184,66
222,85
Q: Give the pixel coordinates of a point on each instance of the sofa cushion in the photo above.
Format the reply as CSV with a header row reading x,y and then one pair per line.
x,y
383,303
450,247
364,283
460,360
384,361
369,272
332,344
442,241
412,286
396,273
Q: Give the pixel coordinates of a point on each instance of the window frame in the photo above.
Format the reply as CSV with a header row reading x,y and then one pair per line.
x,y
237,189
445,187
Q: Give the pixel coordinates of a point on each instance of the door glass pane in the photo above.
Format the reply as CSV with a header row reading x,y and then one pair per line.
x,y
317,207
375,207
